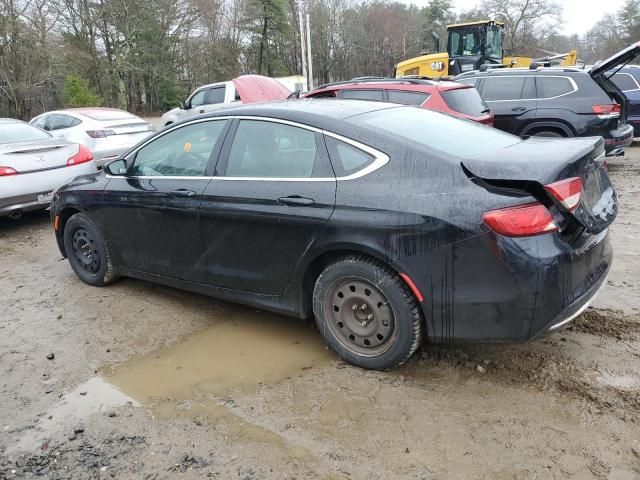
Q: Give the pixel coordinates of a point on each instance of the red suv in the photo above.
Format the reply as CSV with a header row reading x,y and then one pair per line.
x,y
454,98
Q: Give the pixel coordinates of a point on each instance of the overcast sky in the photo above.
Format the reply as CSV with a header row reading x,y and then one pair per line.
x,y
578,17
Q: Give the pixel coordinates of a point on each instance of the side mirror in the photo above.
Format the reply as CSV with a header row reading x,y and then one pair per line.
x,y
183,106
116,168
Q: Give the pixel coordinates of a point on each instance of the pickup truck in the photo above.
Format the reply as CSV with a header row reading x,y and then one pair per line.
x,y
242,90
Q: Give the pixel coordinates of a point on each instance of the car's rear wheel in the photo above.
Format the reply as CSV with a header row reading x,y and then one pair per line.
x,y
366,313
87,251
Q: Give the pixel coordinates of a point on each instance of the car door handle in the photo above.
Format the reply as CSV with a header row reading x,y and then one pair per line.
x,y
202,111
182,192
518,109
296,201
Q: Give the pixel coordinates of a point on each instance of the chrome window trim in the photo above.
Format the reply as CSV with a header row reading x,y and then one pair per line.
x,y
380,159
571,80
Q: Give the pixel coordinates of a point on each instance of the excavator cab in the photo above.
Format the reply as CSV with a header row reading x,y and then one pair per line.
x,y
470,45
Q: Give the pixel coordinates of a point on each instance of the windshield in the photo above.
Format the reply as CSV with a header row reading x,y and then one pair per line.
x,y
21,132
493,43
476,40
437,131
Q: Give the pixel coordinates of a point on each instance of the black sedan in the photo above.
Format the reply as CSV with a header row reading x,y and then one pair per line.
x,y
387,223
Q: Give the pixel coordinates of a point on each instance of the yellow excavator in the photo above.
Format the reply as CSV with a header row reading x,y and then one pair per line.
x,y
473,46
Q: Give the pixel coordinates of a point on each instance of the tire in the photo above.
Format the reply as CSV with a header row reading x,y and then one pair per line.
x,y
366,313
87,252
548,134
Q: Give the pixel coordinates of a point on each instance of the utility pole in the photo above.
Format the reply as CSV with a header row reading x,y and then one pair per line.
x,y
309,54
302,50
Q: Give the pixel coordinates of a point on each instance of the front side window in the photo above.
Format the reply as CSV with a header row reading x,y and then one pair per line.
x,y
407,98
503,88
376,95
465,42
181,152
550,87
264,149
198,99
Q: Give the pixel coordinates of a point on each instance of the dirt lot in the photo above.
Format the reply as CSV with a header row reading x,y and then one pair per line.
x,y
149,382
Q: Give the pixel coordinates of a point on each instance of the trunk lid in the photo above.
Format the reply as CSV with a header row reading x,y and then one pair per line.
x,y
129,126
27,157
257,88
524,169
603,71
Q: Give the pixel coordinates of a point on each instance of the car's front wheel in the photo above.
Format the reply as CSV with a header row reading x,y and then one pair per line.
x,y
366,313
87,251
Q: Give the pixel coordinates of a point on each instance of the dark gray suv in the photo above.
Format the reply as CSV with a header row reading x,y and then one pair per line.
x,y
558,102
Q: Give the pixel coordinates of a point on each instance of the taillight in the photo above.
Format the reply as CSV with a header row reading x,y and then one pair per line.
x,y
84,155
521,221
100,133
607,111
6,171
567,192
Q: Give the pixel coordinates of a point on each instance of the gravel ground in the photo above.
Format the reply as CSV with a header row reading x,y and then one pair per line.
x,y
142,381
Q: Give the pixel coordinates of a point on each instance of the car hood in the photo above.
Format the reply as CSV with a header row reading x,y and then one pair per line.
x,y
173,111
256,88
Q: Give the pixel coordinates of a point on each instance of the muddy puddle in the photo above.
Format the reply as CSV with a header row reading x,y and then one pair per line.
x,y
198,377
242,351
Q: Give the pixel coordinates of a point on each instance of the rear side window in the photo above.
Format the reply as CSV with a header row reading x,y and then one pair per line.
x,y
503,88
272,150
434,131
407,98
550,87
57,121
346,159
377,95
625,82
465,100
215,95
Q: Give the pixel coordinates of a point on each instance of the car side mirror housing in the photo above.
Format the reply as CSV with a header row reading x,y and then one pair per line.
x,y
183,106
117,167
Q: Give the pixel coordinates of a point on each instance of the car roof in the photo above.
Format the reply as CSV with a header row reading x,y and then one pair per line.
x,y
524,71
318,112
408,84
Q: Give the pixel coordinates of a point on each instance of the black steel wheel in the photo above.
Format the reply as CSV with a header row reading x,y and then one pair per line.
x,y
361,317
87,252
84,251
367,313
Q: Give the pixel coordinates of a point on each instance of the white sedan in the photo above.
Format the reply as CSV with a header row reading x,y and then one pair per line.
x,y
107,132
33,164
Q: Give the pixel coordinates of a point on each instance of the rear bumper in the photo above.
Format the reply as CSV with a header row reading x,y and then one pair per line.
x,y
574,310
634,121
618,139
498,289
20,192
